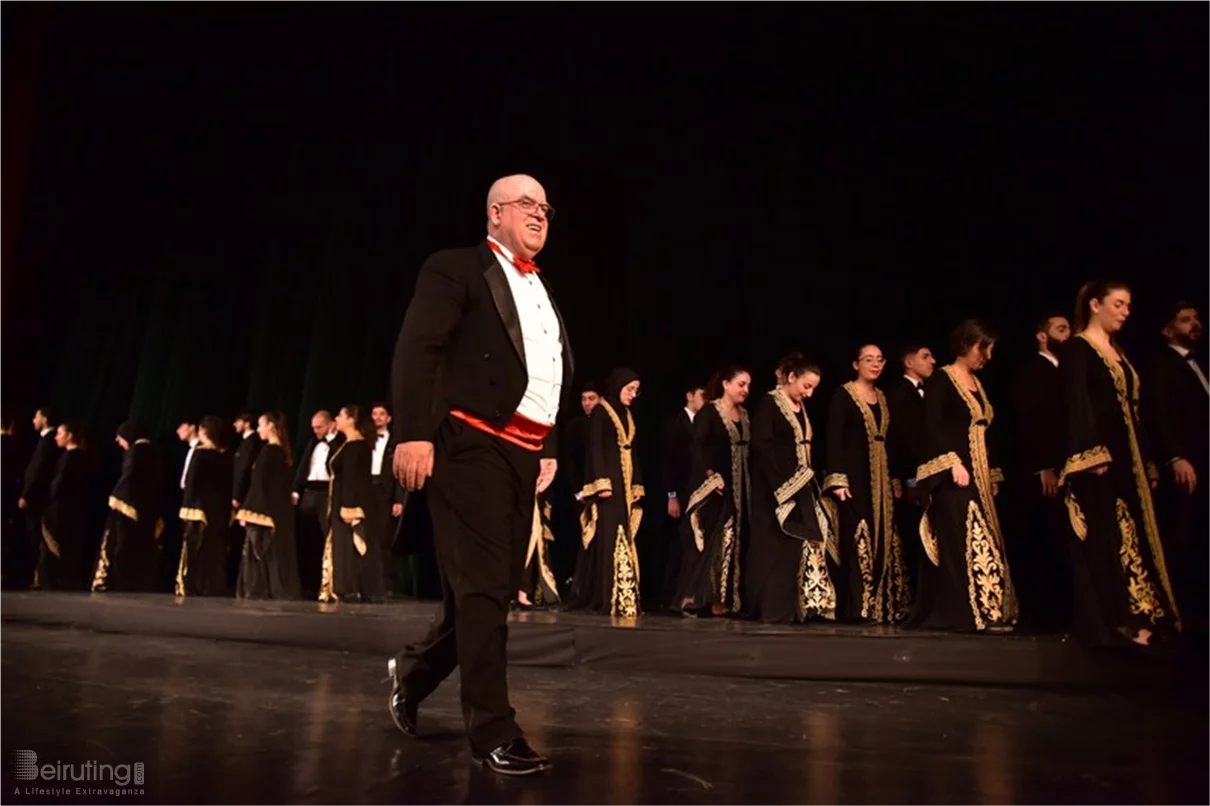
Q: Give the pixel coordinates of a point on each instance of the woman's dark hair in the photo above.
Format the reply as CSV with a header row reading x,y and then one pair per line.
x,y
1093,289
796,364
970,334
217,429
76,429
862,346
278,420
365,424
714,389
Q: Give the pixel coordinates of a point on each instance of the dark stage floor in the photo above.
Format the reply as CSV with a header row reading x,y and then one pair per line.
x,y
228,722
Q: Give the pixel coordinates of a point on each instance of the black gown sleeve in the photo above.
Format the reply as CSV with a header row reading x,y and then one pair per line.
x,y
943,442
598,477
1083,447
356,495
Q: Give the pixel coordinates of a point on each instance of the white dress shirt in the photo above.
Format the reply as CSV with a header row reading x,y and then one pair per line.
x,y
319,460
45,431
1201,376
380,451
188,458
1049,358
691,413
918,385
542,339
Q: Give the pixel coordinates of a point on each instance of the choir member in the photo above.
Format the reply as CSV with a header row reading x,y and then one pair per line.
x,y
787,578
574,443
538,586
1122,587
59,558
206,514
607,572
248,445
269,561
874,586
38,475
966,585
1176,396
716,513
676,453
905,445
311,483
129,553
352,560
1039,551
389,495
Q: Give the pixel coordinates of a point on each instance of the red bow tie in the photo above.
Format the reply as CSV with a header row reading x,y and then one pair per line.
x,y
521,264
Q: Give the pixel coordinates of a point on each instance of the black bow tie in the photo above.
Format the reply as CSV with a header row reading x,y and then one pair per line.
x,y
1191,356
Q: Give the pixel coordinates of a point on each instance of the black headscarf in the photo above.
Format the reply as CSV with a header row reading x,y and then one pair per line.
x,y
132,431
615,382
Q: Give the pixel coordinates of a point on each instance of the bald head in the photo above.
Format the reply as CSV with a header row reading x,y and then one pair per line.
x,y
518,215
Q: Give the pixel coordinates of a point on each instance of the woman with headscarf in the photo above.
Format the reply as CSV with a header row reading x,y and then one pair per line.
x,y
269,560
59,557
607,572
788,578
716,515
206,514
128,557
352,561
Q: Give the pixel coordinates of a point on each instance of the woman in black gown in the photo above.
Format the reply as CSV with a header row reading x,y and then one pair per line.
x,y
269,560
965,585
787,577
607,570
715,520
538,585
129,556
60,564
206,514
1122,588
352,561
875,586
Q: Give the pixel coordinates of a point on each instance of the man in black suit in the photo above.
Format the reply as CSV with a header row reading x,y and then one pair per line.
x,y
245,455
676,459
311,497
391,495
483,321
906,444
1176,407
38,474
1040,556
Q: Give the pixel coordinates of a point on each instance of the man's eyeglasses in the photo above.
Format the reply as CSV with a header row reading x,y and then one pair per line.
x,y
529,207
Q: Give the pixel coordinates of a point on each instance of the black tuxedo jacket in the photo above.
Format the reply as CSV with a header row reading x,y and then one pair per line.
x,y
676,449
1040,417
245,456
460,347
906,445
1175,408
574,444
40,470
303,467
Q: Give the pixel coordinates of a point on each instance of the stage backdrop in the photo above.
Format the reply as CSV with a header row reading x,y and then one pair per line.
x,y
228,207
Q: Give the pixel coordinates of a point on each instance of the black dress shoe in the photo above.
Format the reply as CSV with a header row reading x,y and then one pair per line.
x,y
404,709
514,757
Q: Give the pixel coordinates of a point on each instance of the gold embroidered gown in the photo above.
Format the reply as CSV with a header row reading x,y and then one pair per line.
x,y
59,555
352,560
538,581
607,569
874,586
715,520
966,584
269,560
206,517
1121,582
128,557
787,576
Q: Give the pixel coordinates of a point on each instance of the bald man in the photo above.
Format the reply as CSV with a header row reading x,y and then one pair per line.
x,y
482,319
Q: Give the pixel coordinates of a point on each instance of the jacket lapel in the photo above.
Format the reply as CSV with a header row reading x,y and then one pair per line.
x,y
502,296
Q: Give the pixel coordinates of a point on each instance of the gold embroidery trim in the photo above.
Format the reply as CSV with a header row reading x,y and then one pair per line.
x,y
352,514
816,593
1143,598
246,516
802,440
712,484
990,591
191,514
102,571
833,480
1086,460
938,464
1079,524
588,524
996,475
828,511
1130,407
327,592
595,487
182,567
929,540
118,505
737,433
51,544
624,602
865,566
793,486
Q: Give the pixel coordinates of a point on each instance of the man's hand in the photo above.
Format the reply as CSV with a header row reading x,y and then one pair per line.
x,y
1050,483
961,476
674,508
396,510
995,488
1185,475
22,503
235,505
413,464
1101,470
546,473
842,493
294,499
